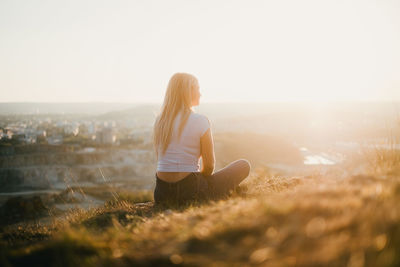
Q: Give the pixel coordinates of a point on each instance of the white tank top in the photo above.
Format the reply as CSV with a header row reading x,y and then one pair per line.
x,y
183,155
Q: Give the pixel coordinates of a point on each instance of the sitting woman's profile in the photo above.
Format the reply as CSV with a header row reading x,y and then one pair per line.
x,y
181,138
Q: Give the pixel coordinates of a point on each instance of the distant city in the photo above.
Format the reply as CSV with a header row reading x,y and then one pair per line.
x,y
91,124
78,129
54,132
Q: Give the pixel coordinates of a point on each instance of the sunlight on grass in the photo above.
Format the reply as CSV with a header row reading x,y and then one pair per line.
x,y
273,219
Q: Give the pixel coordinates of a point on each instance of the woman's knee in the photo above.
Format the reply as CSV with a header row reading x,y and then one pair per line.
x,y
245,166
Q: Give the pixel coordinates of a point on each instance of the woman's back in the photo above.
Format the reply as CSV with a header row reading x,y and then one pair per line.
x,y
182,154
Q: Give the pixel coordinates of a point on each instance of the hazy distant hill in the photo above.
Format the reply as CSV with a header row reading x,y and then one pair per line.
x,y
214,109
147,111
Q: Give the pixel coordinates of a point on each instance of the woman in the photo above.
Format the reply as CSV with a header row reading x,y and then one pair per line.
x,y
181,138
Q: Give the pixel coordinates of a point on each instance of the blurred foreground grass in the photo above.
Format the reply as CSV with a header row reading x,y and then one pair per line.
x,y
311,220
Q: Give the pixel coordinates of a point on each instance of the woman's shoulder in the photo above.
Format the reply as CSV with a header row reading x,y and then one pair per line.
x,y
199,117
200,122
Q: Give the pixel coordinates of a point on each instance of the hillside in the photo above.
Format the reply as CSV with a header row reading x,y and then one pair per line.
x,y
328,219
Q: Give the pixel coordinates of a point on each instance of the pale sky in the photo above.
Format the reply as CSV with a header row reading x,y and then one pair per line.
x,y
126,51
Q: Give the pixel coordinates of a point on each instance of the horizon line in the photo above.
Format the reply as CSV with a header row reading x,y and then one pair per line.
x,y
207,102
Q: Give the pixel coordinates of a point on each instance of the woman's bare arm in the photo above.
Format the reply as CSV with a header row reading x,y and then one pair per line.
x,y
207,153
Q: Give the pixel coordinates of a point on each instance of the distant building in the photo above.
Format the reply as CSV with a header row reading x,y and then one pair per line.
x,y
143,134
41,136
91,128
41,133
19,137
71,129
106,136
9,134
30,138
83,129
55,140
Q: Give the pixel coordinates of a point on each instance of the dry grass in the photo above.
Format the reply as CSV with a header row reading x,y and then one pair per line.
x,y
384,161
315,220
281,221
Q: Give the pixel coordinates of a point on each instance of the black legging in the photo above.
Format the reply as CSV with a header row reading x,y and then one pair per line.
x,y
196,186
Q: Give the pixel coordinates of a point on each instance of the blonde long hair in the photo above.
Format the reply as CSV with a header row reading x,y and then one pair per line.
x,y
178,98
